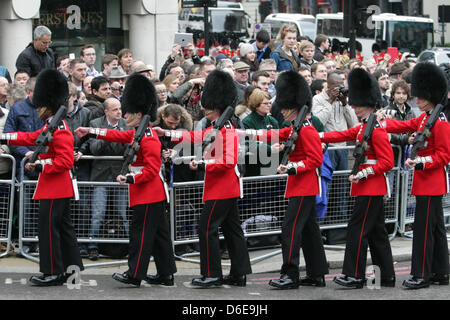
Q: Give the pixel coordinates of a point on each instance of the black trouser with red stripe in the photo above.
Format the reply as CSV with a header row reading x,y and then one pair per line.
x,y
223,213
366,228
150,235
430,246
300,229
58,248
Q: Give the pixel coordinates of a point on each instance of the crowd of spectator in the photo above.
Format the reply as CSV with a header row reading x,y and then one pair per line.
x,y
95,97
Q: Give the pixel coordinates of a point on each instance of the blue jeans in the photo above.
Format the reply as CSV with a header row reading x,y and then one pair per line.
x,y
98,206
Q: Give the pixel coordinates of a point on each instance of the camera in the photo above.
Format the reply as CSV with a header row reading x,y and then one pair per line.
x,y
390,112
343,89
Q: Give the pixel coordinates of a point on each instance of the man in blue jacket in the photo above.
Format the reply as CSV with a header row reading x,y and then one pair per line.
x,y
23,118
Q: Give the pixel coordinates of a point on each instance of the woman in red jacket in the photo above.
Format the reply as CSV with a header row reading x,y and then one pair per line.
x,y
58,247
222,188
430,247
366,226
149,229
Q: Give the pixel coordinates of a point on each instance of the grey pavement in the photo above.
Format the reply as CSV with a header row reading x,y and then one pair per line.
x,y
263,261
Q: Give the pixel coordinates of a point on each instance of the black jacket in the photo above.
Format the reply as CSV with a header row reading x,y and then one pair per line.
x,y
106,170
95,106
34,61
79,117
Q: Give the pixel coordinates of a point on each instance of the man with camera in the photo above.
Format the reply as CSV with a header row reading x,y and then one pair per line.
x,y
331,107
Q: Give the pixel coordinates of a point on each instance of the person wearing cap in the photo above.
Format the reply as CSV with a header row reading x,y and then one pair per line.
x,y
148,194
140,67
300,228
429,260
241,70
58,247
366,227
222,187
248,55
396,71
117,79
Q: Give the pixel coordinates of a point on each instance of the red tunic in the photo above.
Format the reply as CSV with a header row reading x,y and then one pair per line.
x,y
54,181
432,180
308,149
379,156
148,184
222,178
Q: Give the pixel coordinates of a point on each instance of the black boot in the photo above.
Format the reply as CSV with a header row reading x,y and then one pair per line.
x,y
238,281
349,282
125,278
318,281
47,280
285,282
416,283
159,279
440,279
205,282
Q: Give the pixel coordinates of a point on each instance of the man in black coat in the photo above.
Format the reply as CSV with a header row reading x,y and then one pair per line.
x,y
37,55
106,170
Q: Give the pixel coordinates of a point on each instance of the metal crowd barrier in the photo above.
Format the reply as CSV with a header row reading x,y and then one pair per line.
x,y
408,205
111,231
264,201
261,210
7,191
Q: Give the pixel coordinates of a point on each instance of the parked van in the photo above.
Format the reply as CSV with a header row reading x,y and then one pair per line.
x,y
305,24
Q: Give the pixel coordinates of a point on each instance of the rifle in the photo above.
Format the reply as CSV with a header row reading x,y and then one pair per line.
x,y
47,135
419,138
289,144
129,155
363,146
224,117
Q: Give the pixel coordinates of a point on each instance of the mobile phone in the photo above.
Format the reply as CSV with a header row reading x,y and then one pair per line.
x,y
71,56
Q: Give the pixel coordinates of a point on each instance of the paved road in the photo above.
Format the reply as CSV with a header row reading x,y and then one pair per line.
x,y
15,286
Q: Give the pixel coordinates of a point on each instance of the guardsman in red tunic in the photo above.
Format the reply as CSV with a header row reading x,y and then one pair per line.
x,y
300,228
430,182
222,188
58,247
149,230
366,227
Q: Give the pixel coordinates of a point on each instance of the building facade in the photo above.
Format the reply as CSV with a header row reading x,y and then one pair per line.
x,y
145,26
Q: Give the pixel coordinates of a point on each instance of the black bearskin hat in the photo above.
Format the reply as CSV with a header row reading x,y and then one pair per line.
x,y
293,91
219,91
51,90
363,89
139,95
428,82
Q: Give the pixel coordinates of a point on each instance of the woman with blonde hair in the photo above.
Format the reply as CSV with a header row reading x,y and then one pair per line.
x,y
285,56
172,83
259,118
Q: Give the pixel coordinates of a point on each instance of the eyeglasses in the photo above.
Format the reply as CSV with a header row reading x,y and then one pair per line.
x,y
46,43
161,92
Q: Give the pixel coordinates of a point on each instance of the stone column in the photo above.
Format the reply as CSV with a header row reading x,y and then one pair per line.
x,y
152,25
16,27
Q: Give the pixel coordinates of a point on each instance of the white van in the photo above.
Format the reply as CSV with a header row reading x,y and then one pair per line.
x,y
305,23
